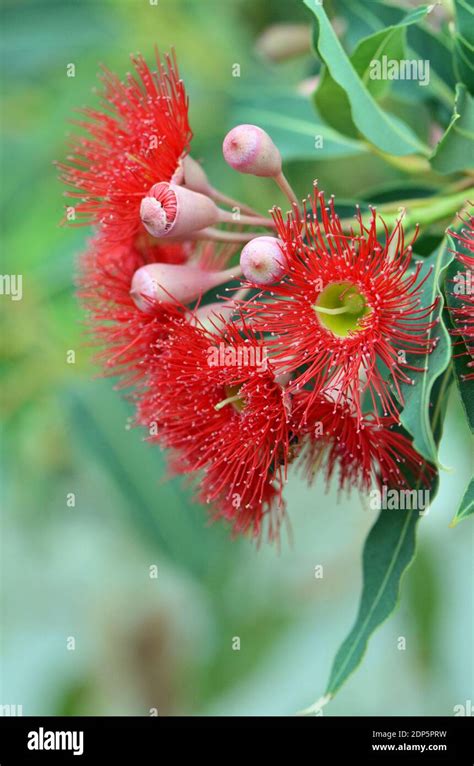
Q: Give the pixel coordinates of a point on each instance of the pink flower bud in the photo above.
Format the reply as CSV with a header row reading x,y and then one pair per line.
x,y
170,283
190,173
262,260
178,175
249,149
212,316
194,177
170,210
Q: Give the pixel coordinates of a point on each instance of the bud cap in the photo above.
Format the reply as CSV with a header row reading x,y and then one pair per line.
x,y
262,260
249,149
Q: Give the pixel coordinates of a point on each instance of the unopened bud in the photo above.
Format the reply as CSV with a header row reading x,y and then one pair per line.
x,y
171,283
212,316
178,175
249,149
262,260
190,173
194,177
174,211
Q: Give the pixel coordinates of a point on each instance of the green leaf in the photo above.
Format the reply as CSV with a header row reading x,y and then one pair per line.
x,y
461,356
427,44
394,190
455,151
466,506
331,99
464,43
388,552
465,386
384,130
415,416
364,17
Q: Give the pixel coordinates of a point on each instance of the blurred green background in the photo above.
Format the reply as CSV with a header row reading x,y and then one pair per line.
x,y
83,572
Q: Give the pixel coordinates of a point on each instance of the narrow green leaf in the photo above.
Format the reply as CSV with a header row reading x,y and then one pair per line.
x,y
391,543
461,357
466,506
464,385
427,44
415,416
332,100
384,130
364,17
388,552
464,43
455,151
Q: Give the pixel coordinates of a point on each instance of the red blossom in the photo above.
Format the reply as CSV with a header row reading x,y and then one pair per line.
x,y
227,421
369,277
136,140
127,336
360,452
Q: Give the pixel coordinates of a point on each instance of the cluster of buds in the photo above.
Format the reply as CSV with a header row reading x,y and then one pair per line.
x,y
186,209
282,365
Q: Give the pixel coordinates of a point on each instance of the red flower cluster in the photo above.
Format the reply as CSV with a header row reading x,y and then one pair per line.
x,y
303,363
138,138
127,337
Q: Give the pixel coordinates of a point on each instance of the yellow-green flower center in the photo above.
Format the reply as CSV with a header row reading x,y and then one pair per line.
x,y
340,307
233,398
